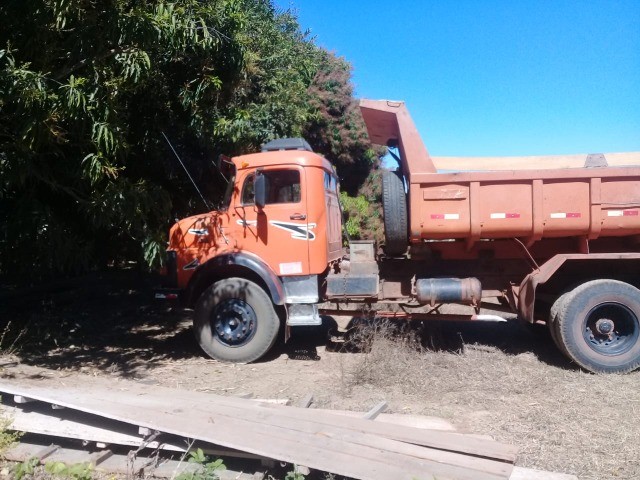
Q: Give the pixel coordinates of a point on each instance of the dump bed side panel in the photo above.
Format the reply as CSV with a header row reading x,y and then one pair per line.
x,y
497,205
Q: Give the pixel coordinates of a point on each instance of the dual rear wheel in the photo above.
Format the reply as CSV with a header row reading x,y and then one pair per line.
x,y
597,325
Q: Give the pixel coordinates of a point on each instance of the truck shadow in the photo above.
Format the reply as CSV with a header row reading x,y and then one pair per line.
x,y
102,321
511,338
107,322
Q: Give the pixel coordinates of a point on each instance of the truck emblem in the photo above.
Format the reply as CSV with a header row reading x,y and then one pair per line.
x,y
299,231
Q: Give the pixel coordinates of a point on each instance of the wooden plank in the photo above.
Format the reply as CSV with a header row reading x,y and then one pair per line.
x,y
323,453
80,426
267,415
262,437
234,416
306,401
375,411
244,395
45,452
70,456
88,399
273,401
440,440
435,439
97,458
80,429
165,398
416,421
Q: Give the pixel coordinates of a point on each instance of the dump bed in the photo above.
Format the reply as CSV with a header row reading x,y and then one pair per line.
x,y
526,197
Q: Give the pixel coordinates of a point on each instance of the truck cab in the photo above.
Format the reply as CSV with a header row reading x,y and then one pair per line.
x,y
277,234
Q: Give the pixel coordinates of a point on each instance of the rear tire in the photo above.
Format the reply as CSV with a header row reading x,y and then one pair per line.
x,y
235,321
552,322
394,208
599,326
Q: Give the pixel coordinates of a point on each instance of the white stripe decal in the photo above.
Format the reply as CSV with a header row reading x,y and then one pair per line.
x,y
566,215
445,216
505,215
622,213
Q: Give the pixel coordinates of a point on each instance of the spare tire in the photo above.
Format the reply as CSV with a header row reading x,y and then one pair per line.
x,y
394,209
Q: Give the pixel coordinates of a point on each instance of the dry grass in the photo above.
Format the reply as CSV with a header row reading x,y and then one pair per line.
x,y
562,419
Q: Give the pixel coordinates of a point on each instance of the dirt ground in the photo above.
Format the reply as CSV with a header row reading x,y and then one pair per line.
x,y
495,379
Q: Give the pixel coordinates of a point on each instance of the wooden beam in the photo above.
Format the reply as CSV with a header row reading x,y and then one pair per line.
x,y
46,452
347,446
305,401
375,411
98,457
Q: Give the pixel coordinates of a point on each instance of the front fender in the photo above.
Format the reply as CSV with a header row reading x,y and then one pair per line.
x,y
232,265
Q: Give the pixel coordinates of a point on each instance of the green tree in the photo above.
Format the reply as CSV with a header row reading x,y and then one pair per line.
x,y
336,128
86,88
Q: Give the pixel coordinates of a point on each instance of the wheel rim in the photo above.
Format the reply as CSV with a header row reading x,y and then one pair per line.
x,y
234,322
611,329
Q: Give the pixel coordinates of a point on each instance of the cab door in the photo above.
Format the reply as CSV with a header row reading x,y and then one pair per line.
x,y
279,232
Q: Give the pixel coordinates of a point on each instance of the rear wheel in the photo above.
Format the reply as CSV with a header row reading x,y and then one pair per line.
x,y
599,326
394,208
235,321
552,322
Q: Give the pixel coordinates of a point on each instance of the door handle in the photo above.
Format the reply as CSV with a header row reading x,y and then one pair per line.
x,y
298,216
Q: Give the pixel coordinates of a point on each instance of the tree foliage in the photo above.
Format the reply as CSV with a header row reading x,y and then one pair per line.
x,y
336,128
87,88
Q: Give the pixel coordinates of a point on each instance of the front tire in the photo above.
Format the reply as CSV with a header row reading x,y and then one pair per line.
x,y
599,326
235,321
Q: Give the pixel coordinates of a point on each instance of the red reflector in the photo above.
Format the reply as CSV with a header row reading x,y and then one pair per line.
x,y
574,215
630,213
437,216
512,215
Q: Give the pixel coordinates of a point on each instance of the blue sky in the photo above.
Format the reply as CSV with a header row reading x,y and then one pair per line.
x,y
495,77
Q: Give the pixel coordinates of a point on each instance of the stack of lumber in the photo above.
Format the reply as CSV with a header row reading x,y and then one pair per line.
x,y
354,447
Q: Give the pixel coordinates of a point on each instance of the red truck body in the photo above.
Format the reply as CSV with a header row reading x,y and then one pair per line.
x,y
556,239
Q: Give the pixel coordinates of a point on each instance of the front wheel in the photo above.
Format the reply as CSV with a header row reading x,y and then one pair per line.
x,y
599,326
235,321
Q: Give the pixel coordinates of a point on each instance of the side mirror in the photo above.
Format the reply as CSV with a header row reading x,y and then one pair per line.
x,y
260,190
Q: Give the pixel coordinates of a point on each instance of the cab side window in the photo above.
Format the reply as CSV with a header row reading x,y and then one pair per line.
x,y
283,186
248,192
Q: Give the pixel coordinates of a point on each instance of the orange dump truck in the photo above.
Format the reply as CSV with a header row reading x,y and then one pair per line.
x,y
554,239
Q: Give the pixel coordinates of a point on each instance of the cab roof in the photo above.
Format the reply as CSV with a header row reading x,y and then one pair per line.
x,y
282,157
